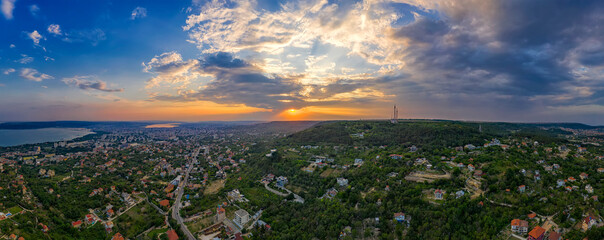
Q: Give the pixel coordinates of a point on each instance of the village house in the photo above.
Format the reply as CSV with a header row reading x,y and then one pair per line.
x,y
588,222
281,181
521,188
560,183
342,181
396,156
76,224
438,194
471,167
399,217
583,176
589,188
538,233
519,226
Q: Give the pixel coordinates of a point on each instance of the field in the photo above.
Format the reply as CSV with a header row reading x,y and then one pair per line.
x,y
426,177
214,187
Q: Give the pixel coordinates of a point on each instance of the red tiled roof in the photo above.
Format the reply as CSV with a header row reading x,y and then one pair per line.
x,y
537,232
172,234
117,236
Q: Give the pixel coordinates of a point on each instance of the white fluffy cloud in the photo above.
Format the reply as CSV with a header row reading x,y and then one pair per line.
x,y
54,29
33,75
363,28
7,8
138,12
35,36
9,71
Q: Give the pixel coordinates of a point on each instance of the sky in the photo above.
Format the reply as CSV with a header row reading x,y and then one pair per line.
x,y
484,60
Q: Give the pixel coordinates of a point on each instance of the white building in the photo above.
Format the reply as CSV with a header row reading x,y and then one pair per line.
x,y
241,217
342,181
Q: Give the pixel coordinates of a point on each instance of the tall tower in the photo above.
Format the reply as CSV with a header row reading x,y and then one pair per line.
x,y
394,115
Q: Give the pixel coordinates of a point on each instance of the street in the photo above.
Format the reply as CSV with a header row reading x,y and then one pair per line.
x,y
177,202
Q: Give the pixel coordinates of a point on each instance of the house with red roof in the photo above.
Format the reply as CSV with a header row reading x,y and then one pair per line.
x,y
438,194
519,226
538,233
117,236
76,224
588,222
172,234
554,236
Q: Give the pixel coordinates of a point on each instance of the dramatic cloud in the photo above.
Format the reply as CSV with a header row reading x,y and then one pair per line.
x,y
138,12
495,57
90,83
35,37
7,8
54,29
9,71
33,75
235,81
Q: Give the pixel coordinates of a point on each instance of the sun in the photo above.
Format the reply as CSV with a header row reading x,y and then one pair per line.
x,y
292,110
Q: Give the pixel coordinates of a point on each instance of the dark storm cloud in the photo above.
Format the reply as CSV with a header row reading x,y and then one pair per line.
x,y
520,49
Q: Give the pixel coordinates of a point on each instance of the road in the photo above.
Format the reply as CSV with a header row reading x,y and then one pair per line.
x,y
296,197
181,190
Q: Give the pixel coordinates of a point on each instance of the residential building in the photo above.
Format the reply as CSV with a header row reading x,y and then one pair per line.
x,y
519,226
560,183
538,233
342,181
281,181
438,194
521,188
554,236
399,217
241,217
588,222
172,234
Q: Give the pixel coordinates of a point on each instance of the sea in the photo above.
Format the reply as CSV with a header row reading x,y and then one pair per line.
x,y
14,137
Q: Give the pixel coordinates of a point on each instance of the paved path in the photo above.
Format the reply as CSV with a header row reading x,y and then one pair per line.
x,y
178,204
297,198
